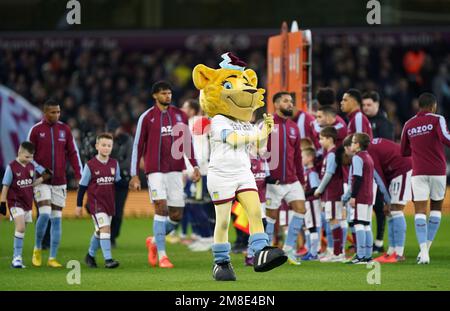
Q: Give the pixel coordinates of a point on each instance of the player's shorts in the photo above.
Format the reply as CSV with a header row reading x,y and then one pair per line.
x,y
425,187
363,212
166,186
55,194
224,189
334,210
18,211
288,192
312,215
400,189
101,220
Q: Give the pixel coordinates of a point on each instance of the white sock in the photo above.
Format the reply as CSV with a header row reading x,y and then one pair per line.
x,y
399,250
161,254
390,250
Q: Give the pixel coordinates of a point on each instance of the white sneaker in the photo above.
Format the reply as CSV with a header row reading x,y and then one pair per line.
x,y
292,258
202,245
327,258
17,263
338,258
424,258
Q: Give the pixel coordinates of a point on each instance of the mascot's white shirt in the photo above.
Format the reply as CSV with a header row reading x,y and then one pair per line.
x,y
226,160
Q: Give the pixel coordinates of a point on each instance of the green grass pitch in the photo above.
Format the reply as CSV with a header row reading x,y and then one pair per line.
x,y
193,270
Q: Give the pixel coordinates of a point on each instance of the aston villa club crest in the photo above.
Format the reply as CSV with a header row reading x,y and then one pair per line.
x,y
62,135
292,131
178,117
216,195
31,173
113,171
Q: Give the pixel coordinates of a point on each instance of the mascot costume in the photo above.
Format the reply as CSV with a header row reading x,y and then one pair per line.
x,y
229,96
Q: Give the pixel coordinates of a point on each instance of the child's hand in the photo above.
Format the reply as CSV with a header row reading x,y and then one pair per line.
x,y
316,193
47,174
352,202
3,208
78,211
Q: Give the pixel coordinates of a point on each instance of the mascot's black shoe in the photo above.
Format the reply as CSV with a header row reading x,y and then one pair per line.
x,y
223,272
269,258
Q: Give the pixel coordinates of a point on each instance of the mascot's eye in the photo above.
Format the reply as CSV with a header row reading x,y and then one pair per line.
x,y
227,85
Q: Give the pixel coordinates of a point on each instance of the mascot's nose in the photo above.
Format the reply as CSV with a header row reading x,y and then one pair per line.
x,y
251,91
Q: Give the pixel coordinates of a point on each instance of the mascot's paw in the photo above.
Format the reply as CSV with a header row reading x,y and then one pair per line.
x,y
223,272
269,258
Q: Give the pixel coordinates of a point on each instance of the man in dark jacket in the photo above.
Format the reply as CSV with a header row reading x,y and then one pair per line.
x,y
381,128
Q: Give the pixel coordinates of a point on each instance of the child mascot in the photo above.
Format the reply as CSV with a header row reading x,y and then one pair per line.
x,y
229,96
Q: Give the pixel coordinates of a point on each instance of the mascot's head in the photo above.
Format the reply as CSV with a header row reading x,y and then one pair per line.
x,y
230,90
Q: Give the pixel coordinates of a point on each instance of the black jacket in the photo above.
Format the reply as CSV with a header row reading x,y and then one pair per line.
x,y
381,126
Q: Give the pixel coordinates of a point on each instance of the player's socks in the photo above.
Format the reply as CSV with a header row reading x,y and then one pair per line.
x,y
369,241
360,240
399,228
295,225
420,221
433,225
352,230
270,227
41,227
105,244
337,238
314,237
391,239
18,243
170,225
308,240
55,233
344,226
159,231
221,252
94,245
329,235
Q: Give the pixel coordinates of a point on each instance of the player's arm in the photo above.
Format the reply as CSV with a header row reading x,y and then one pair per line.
x,y
73,154
117,178
382,187
298,161
357,177
7,180
444,135
314,182
139,144
329,172
84,182
405,147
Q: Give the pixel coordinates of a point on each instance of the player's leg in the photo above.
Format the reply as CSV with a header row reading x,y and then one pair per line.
x,y
18,216
381,221
399,230
156,245
369,234
59,194
295,197
273,201
360,223
42,195
421,193
94,245
438,188
312,216
104,223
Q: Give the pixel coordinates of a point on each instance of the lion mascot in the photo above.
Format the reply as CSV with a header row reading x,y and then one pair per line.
x,y
229,96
